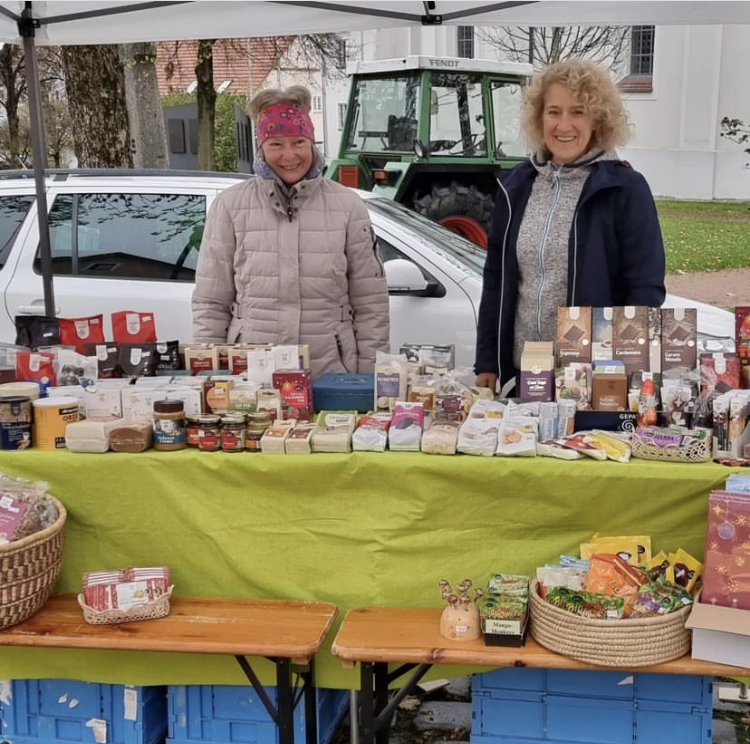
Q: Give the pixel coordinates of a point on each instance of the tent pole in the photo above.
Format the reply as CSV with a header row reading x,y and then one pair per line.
x,y
39,154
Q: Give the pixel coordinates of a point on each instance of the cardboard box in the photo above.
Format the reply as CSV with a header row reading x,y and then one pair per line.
x,y
537,371
601,333
679,338
573,335
630,337
609,392
720,634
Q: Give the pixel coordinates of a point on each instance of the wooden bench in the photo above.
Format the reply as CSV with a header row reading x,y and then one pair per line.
x,y
410,637
285,631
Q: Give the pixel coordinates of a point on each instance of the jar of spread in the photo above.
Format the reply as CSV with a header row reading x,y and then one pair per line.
x,y
169,425
209,432
233,432
192,427
257,423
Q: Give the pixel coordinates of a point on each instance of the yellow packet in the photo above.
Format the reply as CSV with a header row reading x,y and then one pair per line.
x,y
625,547
687,570
660,560
643,542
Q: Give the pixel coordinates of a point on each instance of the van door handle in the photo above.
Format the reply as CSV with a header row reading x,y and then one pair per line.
x,y
36,309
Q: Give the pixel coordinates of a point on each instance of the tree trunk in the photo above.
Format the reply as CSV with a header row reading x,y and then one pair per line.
x,y
95,86
206,97
143,103
13,82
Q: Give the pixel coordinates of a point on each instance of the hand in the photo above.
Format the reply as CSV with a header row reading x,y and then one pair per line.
x,y
487,380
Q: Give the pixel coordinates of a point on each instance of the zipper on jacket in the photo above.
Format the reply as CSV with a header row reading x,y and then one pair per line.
x,y
340,350
573,302
502,285
556,199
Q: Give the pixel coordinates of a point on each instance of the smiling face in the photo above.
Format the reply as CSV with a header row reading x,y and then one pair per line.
x,y
289,157
567,125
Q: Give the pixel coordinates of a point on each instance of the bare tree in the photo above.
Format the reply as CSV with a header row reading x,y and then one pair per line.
x,y
13,83
206,97
149,138
95,86
735,130
543,45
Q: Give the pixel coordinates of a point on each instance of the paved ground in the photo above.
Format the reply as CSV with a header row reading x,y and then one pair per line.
x,y
727,289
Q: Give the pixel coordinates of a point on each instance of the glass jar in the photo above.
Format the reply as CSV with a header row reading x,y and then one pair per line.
x,y
257,423
169,425
233,432
192,429
209,432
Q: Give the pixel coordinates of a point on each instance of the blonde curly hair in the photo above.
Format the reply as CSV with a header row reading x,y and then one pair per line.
x,y
296,94
591,85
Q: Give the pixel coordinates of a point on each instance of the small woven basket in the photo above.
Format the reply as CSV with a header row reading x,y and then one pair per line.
x,y
29,569
632,642
148,611
699,450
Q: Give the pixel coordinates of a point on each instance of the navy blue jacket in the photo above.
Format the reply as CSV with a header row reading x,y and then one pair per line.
x,y
615,254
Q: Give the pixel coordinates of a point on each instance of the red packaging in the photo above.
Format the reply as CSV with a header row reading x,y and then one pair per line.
x,y
720,372
36,366
726,569
295,389
131,326
78,332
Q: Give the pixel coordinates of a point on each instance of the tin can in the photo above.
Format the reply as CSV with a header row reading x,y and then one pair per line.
x,y
233,432
209,432
15,422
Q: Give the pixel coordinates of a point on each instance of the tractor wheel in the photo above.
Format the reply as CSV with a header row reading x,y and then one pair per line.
x,y
462,208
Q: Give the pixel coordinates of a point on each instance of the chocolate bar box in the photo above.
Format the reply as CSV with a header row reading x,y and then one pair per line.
x,y
630,337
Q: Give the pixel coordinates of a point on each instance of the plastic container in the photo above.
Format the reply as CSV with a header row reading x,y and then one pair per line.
x,y
51,416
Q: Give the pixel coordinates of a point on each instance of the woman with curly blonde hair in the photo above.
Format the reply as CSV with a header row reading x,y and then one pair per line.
x,y
573,226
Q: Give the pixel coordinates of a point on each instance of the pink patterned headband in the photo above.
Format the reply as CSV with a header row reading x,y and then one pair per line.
x,y
284,120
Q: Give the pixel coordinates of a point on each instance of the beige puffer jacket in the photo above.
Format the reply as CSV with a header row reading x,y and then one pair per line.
x,y
298,271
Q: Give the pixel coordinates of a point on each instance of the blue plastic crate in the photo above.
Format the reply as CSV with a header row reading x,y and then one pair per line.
x,y
230,714
562,706
62,711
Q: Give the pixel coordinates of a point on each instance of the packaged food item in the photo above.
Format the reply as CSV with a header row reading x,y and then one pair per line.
x,y
441,438
407,423
371,432
587,604
609,574
131,436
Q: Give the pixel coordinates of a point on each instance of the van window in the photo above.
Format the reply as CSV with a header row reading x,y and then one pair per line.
x,y
13,211
126,236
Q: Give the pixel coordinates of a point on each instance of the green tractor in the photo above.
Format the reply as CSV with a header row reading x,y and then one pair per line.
x,y
435,134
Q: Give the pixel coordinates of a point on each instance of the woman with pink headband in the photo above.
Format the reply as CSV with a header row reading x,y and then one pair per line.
x,y
289,257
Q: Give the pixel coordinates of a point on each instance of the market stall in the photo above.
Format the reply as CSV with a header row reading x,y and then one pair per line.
x,y
353,529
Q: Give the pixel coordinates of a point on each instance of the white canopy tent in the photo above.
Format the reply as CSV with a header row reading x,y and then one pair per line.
x,y
76,22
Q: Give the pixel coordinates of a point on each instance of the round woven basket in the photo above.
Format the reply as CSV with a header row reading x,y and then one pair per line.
x,y
29,569
632,642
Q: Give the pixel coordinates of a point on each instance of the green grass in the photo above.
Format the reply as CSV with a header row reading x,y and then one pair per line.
x,y
705,236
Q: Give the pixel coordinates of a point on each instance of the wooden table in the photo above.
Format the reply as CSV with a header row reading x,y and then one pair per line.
x,y
287,632
410,637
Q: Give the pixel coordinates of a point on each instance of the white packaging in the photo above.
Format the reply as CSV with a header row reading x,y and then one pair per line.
x,y
89,436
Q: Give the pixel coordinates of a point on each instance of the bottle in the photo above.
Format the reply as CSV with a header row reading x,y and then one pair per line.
x,y
169,425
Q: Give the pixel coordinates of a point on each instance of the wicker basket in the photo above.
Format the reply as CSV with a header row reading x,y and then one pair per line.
x,y
632,642
29,569
699,450
149,611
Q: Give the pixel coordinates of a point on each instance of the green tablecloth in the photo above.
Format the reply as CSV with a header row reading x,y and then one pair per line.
x,y
356,529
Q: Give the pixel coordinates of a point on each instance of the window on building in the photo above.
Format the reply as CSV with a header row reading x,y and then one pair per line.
x,y
341,115
465,42
340,54
640,77
642,50
317,104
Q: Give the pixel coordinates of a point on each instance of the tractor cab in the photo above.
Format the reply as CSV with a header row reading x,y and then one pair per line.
x,y
434,134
